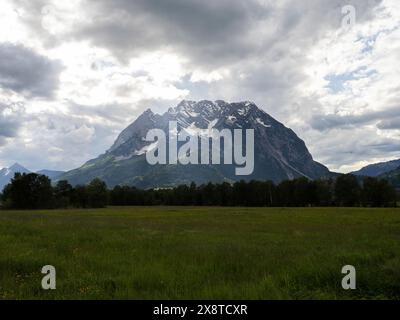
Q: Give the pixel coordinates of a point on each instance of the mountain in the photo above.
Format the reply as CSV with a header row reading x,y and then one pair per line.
x,y
279,153
52,174
378,169
393,177
7,174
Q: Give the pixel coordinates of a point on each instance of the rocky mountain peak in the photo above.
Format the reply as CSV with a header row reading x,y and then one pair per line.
x,y
16,167
7,174
279,153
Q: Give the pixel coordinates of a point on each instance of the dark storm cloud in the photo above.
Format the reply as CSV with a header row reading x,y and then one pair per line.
x,y
207,33
108,112
10,121
332,121
24,71
390,124
8,129
211,32
198,29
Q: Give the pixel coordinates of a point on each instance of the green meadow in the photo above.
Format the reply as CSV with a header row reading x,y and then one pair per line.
x,y
200,253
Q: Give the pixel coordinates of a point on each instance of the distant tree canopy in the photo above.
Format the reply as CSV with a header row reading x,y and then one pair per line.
x,y
377,193
28,191
63,193
347,191
97,194
344,191
33,191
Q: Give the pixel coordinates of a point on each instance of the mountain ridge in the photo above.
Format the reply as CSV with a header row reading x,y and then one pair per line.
x,y
6,174
392,176
377,169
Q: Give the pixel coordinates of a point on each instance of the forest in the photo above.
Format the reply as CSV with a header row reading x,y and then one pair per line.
x,y
34,191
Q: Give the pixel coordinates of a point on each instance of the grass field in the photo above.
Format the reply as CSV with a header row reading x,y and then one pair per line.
x,y
200,253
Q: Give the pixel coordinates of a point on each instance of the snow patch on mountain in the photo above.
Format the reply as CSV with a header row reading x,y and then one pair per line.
x,y
147,148
262,123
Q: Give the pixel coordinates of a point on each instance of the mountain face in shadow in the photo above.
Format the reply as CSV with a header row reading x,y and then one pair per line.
x,y
377,169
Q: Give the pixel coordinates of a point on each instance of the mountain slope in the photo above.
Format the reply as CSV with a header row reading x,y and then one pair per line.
x,y
52,174
279,153
393,177
7,174
377,169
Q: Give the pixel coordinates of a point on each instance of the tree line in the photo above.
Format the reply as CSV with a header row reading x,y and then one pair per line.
x,y
33,191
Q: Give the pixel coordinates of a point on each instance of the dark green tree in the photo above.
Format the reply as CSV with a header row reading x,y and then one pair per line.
x,y
63,193
347,191
97,194
377,193
79,197
29,191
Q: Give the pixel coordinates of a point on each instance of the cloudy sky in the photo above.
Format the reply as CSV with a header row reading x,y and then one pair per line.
x,y
74,73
